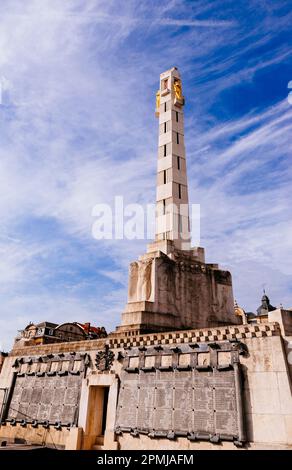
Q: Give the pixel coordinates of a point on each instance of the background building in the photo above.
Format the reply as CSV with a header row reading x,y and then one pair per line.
x,y
47,333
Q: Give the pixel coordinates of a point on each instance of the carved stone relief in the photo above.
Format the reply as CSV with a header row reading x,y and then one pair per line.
x,y
140,281
104,359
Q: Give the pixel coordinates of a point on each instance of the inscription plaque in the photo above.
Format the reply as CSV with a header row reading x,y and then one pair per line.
x,y
190,401
51,398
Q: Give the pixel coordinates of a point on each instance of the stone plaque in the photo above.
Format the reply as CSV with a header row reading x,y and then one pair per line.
x,y
225,399
163,396
226,423
184,359
26,395
182,398
149,361
146,397
59,394
166,360
55,413
32,409
22,411
203,359
71,396
129,394
53,398
145,417
68,414
203,421
46,396
224,357
43,412
65,381
202,398
127,416
36,395
134,361
182,420
186,401
162,419
54,366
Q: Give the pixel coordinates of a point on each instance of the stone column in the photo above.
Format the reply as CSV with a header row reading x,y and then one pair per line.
x,y
172,214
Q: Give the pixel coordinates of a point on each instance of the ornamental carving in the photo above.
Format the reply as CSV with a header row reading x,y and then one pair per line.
x,y
177,89
104,359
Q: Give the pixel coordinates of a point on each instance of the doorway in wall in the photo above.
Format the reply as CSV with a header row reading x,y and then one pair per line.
x,y
104,409
97,411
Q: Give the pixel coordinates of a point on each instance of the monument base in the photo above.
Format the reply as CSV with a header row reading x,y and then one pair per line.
x,y
171,289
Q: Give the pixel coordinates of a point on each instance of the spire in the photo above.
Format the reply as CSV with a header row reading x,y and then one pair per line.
x,y
265,306
172,212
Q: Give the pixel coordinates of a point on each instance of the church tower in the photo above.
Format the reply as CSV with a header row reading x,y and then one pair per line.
x,y
171,287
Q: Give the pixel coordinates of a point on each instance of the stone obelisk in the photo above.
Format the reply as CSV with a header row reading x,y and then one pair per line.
x,y
171,287
172,212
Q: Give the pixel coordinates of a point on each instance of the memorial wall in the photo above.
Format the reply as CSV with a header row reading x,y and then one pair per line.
x,y
189,391
46,389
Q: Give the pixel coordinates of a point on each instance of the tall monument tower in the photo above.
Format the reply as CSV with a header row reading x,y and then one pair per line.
x,y
172,212
171,287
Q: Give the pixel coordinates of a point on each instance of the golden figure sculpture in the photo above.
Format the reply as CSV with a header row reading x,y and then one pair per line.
x,y
177,89
157,101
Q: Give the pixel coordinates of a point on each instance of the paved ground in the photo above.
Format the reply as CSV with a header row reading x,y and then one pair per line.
x,y
11,446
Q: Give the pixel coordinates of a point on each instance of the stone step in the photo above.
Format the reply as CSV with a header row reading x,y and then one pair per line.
x,y
97,447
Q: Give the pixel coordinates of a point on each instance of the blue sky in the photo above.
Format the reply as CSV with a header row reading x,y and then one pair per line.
x,y
77,128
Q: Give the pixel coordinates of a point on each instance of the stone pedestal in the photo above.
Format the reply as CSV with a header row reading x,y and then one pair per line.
x,y
177,290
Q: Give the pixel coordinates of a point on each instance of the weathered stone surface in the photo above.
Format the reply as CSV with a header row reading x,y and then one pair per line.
x,y
185,293
169,400
46,398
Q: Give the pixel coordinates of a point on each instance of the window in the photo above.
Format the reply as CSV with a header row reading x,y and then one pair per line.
x,y
165,84
163,206
164,176
165,107
164,127
176,116
178,163
179,191
164,150
177,138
